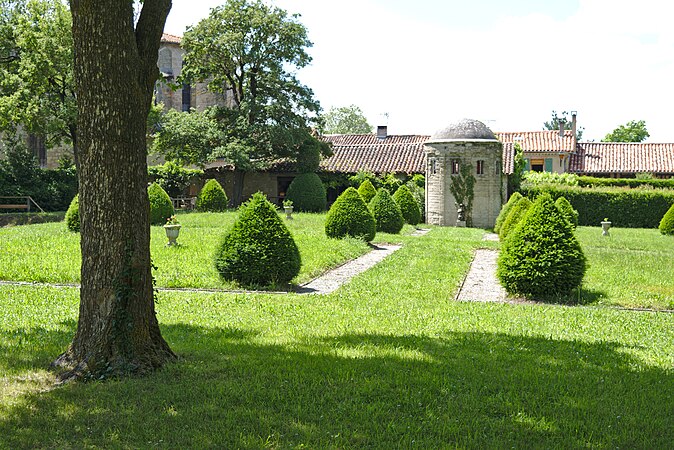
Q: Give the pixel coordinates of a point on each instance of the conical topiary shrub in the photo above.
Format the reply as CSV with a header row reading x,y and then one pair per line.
x,y
73,215
541,258
161,207
259,249
567,210
386,212
307,193
367,191
514,216
349,216
408,205
212,197
667,222
505,209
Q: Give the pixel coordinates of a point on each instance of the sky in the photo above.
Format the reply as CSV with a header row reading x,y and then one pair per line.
x,y
508,63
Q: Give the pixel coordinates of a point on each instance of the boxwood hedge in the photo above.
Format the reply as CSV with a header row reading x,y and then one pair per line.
x,y
386,212
307,193
259,249
212,197
627,208
408,205
667,223
350,216
367,191
73,215
505,209
161,207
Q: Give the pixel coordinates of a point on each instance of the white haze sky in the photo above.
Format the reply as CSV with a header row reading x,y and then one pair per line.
x,y
507,63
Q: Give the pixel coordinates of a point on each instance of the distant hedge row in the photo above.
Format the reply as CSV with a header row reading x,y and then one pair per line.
x,y
628,208
585,181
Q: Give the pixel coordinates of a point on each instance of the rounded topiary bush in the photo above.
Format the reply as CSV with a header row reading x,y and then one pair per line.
x,y
541,258
567,210
386,212
259,249
307,193
212,197
73,215
367,191
514,217
161,207
408,205
349,216
505,209
667,223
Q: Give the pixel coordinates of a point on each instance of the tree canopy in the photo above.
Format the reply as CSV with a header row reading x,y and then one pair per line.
x,y
632,131
556,120
36,70
346,120
248,51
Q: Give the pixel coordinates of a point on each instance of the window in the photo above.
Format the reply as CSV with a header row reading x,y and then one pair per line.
x,y
187,97
455,166
432,169
480,167
537,164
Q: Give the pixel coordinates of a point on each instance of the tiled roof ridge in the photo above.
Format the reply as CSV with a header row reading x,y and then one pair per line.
x,y
168,37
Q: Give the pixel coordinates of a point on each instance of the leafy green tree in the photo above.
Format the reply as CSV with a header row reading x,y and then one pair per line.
x,y
632,131
115,73
346,120
248,52
36,70
187,138
556,120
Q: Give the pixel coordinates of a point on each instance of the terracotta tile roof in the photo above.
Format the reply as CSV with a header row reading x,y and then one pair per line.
x,y
171,38
539,141
613,157
508,158
395,153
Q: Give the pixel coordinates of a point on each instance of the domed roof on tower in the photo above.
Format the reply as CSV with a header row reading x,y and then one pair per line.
x,y
464,130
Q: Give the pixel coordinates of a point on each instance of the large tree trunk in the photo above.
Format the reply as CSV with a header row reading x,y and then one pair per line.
x,y
115,72
239,176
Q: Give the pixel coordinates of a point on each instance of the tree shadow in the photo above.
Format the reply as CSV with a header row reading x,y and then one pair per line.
x,y
468,389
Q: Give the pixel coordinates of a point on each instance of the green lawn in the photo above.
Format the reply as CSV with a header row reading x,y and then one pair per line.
x,y
50,253
387,361
631,267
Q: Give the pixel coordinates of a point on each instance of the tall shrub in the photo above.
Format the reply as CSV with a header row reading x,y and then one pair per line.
x,y
161,207
386,212
307,193
514,217
667,223
505,209
259,249
542,257
367,191
73,215
408,205
350,216
567,210
212,197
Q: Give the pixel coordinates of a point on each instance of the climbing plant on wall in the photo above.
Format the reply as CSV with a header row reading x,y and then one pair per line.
x,y
462,187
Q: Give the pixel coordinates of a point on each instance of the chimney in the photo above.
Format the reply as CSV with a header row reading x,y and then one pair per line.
x,y
561,128
381,132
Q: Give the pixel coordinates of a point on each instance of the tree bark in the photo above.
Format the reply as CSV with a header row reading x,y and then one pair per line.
x,y
115,71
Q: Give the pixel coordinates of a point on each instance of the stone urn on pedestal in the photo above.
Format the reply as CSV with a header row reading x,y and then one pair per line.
x,y
288,209
172,229
605,225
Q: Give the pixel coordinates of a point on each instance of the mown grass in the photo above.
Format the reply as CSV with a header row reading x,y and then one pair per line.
x,y
387,361
631,267
50,253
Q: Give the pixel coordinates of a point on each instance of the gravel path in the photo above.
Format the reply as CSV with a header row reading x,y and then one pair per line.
x,y
481,284
333,279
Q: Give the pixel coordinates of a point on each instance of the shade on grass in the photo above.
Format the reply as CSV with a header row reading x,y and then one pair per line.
x,y
408,367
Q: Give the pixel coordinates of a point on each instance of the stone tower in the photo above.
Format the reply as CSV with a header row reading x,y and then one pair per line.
x,y
464,160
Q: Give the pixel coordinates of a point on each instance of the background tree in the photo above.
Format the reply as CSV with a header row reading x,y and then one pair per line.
x,y
632,131
36,70
556,120
115,71
248,51
346,120
186,138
